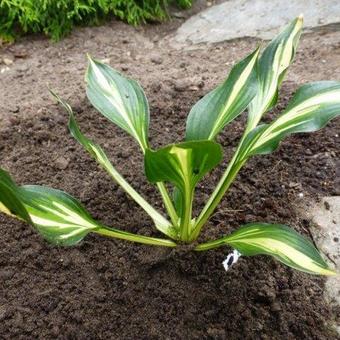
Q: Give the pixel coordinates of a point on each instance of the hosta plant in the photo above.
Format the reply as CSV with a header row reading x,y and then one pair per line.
x,y
175,169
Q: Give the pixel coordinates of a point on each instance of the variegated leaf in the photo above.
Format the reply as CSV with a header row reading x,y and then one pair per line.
x,y
58,217
272,65
9,202
182,164
223,104
311,108
119,99
279,241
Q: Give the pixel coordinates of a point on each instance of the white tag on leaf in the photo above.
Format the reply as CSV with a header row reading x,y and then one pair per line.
x,y
231,259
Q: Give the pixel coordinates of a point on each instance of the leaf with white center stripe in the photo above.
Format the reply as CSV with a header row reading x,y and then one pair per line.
x,y
9,203
99,155
56,215
311,108
272,66
59,217
119,99
279,241
223,104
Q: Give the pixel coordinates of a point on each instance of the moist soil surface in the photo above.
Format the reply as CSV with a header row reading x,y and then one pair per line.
x,y
110,289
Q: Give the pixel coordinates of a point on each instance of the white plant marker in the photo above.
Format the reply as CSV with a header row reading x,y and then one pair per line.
x,y
231,259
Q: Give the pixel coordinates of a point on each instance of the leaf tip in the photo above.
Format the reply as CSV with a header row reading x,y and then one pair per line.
x,y
329,272
299,21
90,65
258,48
53,93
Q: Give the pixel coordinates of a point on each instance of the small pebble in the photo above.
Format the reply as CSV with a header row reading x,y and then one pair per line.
x,y
6,274
327,206
20,54
7,61
300,195
156,59
22,68
275,307
182,85
61,163
14,109
4,69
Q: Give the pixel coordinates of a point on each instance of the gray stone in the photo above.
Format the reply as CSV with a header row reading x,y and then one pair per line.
x,y
23,68
326,235
181,85
156,59
61,163
255,18
7,61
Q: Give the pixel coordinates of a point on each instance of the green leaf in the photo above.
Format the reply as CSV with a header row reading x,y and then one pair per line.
x,y
279,241
182,164
123,101
99,155
272,66
223,104
311,108
119,99
178,201
57,216
9,202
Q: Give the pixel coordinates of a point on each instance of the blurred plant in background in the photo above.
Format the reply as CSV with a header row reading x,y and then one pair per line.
x,y
57,18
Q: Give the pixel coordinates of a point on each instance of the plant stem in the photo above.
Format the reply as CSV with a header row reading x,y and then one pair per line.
x,y
160,221
166,199
185,226
105,231
210,245
168,204
223,185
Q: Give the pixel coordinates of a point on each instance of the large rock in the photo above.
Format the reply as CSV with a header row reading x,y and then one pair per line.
x,y
326,234
255,18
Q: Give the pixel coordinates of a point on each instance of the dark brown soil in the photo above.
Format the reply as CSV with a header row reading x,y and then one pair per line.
x,y
109,289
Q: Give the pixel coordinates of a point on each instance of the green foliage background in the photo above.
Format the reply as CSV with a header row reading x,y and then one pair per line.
x,y
56,18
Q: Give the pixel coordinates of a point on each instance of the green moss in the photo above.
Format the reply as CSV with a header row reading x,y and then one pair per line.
x,y
56,18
